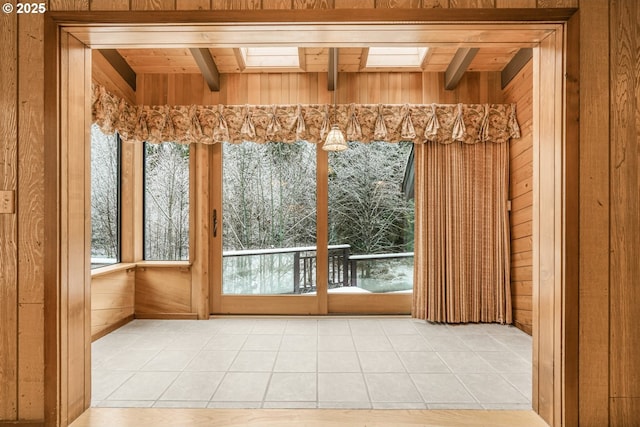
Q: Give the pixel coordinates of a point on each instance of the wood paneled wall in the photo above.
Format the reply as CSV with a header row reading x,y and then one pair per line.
x,y
364,88
112,301
607,350
520,92
163,291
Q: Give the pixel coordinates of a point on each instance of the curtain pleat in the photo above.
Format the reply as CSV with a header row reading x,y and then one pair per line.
x,y
462,253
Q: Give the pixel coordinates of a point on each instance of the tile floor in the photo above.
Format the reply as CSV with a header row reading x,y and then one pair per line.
x,y
364,362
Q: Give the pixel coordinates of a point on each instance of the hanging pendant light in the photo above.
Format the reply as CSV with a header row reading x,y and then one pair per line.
x,y
335,138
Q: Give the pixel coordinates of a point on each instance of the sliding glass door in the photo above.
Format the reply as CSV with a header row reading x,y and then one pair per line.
x,y
306,232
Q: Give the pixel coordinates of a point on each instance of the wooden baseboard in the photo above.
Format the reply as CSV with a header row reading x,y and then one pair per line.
x,y
167,316
111,328
527,329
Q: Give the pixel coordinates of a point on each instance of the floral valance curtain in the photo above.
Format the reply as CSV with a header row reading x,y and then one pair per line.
x,y
205,124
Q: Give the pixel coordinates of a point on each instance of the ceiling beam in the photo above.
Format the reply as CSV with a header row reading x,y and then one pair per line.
x,y
364,57
239,59
120,65
514,66
302,58
207,67
333,69
458,66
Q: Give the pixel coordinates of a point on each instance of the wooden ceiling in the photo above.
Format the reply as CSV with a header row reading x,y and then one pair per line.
x,y
312,60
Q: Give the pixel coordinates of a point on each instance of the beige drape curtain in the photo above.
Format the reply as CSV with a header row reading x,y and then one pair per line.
x,y
462,233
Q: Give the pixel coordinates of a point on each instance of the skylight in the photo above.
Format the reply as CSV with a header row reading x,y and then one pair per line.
x,y
271,57
395,57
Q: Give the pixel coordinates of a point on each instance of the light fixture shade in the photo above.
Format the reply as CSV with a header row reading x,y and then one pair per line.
x,y
335,140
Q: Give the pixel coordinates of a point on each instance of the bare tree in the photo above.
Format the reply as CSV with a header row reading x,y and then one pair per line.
x,y
104,195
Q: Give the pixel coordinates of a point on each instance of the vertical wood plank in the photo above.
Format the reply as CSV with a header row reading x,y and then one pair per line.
x,y
625,411
31,357
235,4
202,220
193,4
426,4
557,3
30,198
109,4
398,4
8,222
354,4
276,4
30,208
625,199
530,4
58,5
313,4
571,294
153,4
472,4
79,337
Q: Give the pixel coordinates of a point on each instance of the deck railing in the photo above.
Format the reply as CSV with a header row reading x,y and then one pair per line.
x,y
343,266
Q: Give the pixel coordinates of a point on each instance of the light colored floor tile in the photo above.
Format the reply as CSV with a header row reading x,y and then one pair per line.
x,y
254,361
333,387
180,404
505,361
189,342
170,360
103,383
392,388
236,326
335,343
262,343
193,386
465,361
153,341
208,327
333,327
144,386
468,329
521,381
292,387
514,341
299,343
290,405
427,362
483,343
296,361
372,343
365,327
447,343
269,327
525,353
211,361
497,329
226,342
242,387
129,359
338,361
125,404
428,329
380,361
409,343
491,388
301,327
398,327
441,388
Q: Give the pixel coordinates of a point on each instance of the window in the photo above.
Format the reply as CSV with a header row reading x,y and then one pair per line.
x,y
166,201
269,204
370,219
406,57
105,198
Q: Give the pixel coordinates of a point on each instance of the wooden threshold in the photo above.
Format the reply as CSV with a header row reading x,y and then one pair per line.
x,y
159,417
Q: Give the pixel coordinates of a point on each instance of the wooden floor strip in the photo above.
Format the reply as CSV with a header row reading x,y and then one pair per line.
x,y
160,417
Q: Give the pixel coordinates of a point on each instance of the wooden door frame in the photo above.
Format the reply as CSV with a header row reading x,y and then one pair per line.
x,y
67,105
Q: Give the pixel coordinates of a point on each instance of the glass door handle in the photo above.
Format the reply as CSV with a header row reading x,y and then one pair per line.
x,y
215,223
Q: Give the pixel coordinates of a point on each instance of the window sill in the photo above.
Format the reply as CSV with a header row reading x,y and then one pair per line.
x,y
101,271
